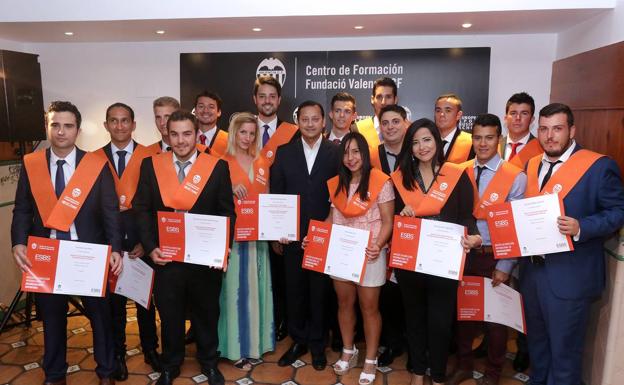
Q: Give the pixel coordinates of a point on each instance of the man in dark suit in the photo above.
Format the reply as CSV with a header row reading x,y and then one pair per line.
x,y
97,221
457,143
302,167
123,154
180,284
559,288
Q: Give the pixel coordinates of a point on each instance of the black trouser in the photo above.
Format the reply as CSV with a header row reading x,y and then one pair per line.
x,y
145,318
429,304
392,316
279,287
306,294
179,284
53,311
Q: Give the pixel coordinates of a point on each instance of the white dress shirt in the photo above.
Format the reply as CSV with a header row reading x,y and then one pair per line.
x,y
208,134
128,149
187,168
272,128
522,142
449,139
311,152
68,170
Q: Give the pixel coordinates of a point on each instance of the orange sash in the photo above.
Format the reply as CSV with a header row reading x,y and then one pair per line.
x,y
566,177
374,157
282,135
60,213
127,185
461,148
355,206
260,184
531,149
499,187
435,199
366,127
219,144
182,196
155,148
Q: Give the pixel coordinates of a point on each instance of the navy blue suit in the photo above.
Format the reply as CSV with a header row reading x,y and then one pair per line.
x,y
305,290
146,317
558,295
97,222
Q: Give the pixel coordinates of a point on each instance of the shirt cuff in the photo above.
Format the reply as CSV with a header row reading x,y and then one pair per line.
x,y
577,236
506,265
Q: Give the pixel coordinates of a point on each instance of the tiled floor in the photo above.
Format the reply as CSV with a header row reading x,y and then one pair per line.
x,y
21,351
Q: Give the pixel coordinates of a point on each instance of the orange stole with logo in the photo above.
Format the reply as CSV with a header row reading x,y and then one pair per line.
x,y
355,206
461,148
219,144
182,196
566,177
60,213
498,188
530,150
283,134
439,192
260,184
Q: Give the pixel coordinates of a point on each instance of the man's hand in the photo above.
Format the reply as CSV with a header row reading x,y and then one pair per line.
x,y
304,242
277,247
157,257
137,251
19,254
116,263
284,241
568,226
499,277
471,242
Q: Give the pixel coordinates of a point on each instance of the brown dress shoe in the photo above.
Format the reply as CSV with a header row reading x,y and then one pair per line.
x,y
107,381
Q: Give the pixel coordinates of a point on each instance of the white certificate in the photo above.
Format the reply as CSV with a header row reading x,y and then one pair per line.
x,y
278,217
440,251
503,305
81,269
135,281
346,254
206,239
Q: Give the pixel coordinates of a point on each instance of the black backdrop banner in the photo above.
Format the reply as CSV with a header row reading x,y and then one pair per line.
x,y
421,76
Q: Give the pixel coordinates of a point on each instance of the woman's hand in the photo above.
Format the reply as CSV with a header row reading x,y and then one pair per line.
x,y
240,191
407,211
372,252
304,242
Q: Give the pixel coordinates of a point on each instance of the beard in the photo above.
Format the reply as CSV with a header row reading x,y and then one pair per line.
x,y
558,152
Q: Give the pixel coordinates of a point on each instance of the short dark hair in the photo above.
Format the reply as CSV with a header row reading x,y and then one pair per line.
x,y
343,97
488,120
521,98
557,108
182,115
267,79
211,95
63,106
385,82
120,105
451,95
394,108
310,103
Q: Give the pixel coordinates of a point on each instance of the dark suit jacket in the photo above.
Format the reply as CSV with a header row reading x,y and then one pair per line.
x,y
471,155
383,159
597,202
97,222
215,199
289,175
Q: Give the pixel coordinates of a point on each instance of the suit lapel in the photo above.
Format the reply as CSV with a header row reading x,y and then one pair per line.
x,y
319,155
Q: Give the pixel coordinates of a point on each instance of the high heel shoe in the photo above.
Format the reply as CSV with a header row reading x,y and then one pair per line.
x,y
368,378
341,367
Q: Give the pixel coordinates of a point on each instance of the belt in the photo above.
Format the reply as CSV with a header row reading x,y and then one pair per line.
x,y
537,260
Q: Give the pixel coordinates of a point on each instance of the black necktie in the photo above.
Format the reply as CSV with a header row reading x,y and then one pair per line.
x,y
59,186
444,142
167,148
479,171
396,158
121,163
548,173
265,135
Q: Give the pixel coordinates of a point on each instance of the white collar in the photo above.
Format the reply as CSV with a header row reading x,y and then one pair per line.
x,y
70,159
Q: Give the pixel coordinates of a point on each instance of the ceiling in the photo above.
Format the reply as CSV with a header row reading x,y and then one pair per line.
x,y
21,26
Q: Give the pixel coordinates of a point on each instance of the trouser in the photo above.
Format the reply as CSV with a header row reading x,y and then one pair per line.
x,y
146,319
392,315
279,287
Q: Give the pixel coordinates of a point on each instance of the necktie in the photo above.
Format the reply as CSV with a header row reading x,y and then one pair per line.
x,y
168,148
265,135
479,171
444,142
59,186
514,147
121,163
181,167
336,140
202,139
548,173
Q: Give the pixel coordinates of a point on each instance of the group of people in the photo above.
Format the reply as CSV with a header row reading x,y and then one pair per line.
x,y
358,174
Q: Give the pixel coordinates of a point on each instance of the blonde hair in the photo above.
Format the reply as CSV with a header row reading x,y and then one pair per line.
x,y
236,123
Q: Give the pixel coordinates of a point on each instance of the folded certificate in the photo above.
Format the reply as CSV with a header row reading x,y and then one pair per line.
x,y
527,227
477,300
135,281
336,250
66,267
427,246
194,238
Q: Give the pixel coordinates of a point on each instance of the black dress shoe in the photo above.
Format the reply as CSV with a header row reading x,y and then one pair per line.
x,y
214,375
281,331
291,355
521,362
189,338
121,370
152,358
387,357
167,377
319,361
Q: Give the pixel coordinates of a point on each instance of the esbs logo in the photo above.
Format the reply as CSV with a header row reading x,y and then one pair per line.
x,y
272,67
